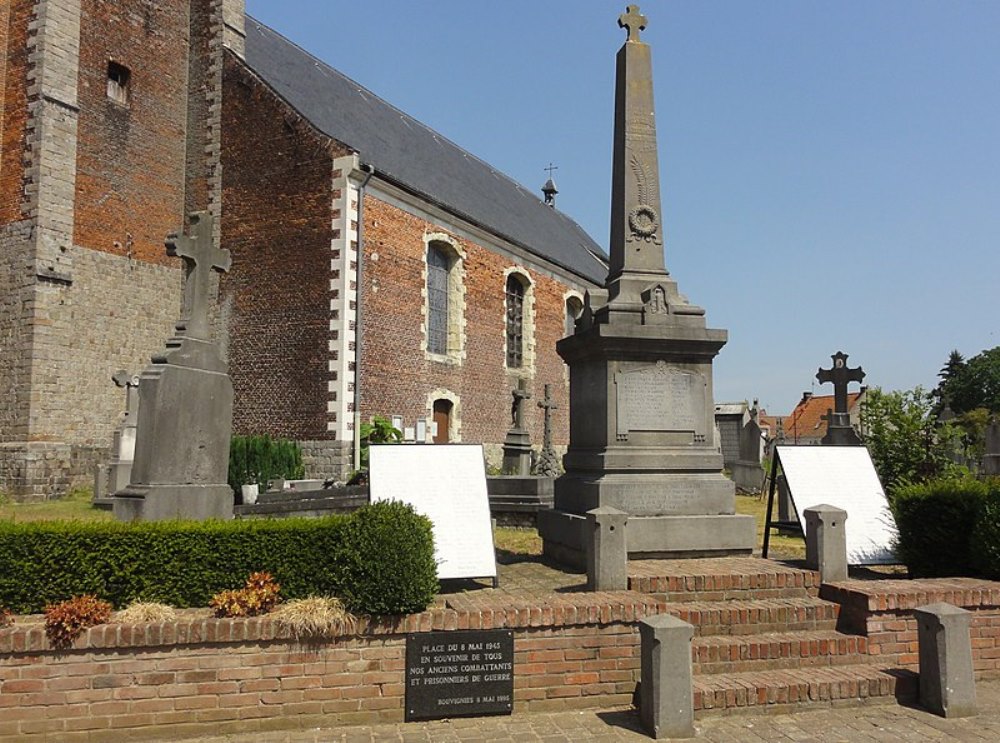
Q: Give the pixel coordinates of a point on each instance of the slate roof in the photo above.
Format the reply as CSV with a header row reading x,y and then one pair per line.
x,y
414,156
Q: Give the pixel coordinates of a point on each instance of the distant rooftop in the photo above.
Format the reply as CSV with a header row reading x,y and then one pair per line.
x,y
418,159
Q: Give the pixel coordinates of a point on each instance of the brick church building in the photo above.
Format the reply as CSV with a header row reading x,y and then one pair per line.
x,y
377,267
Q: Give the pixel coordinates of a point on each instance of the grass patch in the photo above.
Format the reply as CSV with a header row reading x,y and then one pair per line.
x,y
518,541
74,506
780,545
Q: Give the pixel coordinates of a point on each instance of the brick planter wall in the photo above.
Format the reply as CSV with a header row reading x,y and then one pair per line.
x,y
201,675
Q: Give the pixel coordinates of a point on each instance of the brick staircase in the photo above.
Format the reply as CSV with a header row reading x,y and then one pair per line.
x,y
763,637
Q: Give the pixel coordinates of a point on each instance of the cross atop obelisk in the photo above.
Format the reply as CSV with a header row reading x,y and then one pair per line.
x,y
633,21
636,227
200,258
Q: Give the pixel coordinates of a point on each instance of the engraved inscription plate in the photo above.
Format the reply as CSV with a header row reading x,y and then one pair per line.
x,y
659,398
451,674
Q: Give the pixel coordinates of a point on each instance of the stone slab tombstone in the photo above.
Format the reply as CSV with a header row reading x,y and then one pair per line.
x,y
991,455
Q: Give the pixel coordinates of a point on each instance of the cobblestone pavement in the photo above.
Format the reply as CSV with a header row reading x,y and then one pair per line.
x,y
883,723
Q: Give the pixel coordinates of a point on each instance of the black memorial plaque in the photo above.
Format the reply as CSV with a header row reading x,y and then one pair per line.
x,y
453,674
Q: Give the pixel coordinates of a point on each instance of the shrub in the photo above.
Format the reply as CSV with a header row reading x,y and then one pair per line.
x,y
314,617
185,563
146,611
259,595
260,459
6,618
986,535
389,552
936,520
66,620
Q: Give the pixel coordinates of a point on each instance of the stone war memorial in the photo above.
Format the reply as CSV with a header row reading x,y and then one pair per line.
x,y
641,404
184,426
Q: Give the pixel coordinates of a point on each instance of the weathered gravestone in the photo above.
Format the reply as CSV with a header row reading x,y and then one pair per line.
x,y
548,460
991,455
839,431
641,405
746,470
119,469
517,444
182,448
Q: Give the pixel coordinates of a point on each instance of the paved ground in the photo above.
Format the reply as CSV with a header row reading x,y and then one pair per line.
x,y
885,723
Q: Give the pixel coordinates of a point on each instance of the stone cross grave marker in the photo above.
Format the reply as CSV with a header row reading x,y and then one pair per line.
x,y
548,462
517,443
839,431
200,258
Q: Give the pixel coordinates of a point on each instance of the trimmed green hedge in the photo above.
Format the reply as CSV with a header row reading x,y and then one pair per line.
x,y
986,535
936,520
378,560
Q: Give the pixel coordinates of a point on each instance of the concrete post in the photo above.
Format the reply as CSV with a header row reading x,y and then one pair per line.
x,y
947,683
607,553
826,542
666,694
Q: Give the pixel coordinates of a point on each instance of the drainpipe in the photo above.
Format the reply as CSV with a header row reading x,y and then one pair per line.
x,y
358,334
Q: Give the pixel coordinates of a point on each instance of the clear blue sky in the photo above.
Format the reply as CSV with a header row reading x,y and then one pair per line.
x,y
830,171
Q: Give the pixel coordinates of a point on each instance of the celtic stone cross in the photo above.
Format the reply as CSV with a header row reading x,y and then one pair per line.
x,y
200,258
632,21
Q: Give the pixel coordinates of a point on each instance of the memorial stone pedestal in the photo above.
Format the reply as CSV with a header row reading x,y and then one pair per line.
x,y
641,404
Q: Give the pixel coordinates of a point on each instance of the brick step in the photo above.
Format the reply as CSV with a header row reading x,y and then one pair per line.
x,y
721,579
756,617
774,650
784,688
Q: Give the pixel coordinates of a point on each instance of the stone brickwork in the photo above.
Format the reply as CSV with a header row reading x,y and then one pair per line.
x,y
90,185
324,459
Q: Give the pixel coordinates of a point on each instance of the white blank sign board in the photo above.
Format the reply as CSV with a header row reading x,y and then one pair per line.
x,y
844,477
447,484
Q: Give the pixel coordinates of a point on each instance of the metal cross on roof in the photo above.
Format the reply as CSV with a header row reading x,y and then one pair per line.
x,y
200,257
633,21
551,168
840,375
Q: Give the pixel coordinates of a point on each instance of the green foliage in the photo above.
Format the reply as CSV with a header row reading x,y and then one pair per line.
x,y
379,431
907,442
390,552
260,459
972,384
185,563
935,521
986,535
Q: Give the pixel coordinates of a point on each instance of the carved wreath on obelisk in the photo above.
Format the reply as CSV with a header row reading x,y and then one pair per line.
x,y
643,219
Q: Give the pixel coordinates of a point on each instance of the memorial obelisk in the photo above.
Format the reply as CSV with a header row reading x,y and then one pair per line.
x,y
642,421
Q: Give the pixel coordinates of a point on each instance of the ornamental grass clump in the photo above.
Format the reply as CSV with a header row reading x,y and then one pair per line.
x,y
146,611
315,617
67,620
259,596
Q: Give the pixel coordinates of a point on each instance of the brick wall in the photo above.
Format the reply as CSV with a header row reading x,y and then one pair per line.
x,y
883,612
398,376
243,676
14,17
277,206
91,290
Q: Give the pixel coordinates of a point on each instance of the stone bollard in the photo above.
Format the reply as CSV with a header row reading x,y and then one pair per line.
x,y
826,542
607,554
666,693
947,682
